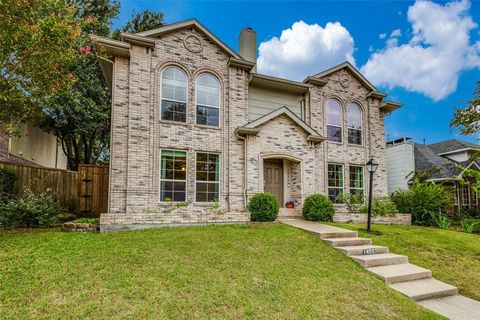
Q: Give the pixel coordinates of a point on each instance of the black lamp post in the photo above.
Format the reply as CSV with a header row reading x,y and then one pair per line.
x,y
372,166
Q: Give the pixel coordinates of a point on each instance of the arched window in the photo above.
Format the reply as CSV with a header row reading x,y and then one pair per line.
x,y
174,94
354,123
334,120
208,100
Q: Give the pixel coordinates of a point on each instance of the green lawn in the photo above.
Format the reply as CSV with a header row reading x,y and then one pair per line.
x,y
453,257
268,271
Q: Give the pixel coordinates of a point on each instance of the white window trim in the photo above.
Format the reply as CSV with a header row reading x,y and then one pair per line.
x,y
209,106
219,177
160,175
173,100
343,180
363,179
342,133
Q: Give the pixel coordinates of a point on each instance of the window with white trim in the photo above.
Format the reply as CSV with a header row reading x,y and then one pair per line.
x,y
208,100
466,196
334,120
335,182
174,95
354,124
455,194
356,180
173,175
207,177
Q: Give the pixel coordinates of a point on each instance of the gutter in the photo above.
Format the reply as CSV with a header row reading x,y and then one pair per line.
x,y
246,167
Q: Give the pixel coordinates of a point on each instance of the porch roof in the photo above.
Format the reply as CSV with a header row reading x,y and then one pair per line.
x,y
251,128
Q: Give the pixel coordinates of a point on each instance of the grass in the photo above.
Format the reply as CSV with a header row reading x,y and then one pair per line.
x,y
266,271
453,257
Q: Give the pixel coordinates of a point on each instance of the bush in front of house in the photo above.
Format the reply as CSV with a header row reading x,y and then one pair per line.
x,y
424,200
381,206
7,180
318,207
263,207
30,211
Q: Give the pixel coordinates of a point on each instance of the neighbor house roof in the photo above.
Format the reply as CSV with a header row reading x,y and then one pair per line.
x,y
453,145
251,128
428,157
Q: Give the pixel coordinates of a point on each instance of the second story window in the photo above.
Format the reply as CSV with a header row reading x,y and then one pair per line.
x,y
174,95
334,121
354,123
208,100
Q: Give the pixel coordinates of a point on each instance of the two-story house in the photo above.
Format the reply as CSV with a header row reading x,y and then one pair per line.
x,y
196,131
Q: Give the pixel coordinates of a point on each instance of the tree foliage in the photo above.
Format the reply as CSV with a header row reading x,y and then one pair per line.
x,y
468,118
39,41
144,21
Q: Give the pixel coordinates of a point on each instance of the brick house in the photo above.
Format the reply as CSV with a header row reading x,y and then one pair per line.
x,y
196,131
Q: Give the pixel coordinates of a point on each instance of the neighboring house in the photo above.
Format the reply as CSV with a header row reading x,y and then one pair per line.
x,y
443,162
196,131
33,147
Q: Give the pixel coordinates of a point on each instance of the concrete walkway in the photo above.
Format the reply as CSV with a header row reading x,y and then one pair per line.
x,y
412,281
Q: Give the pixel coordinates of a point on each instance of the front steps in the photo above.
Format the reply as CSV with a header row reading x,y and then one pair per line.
x,y
412,281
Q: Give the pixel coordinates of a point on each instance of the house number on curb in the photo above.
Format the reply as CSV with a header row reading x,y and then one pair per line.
x,y
369,251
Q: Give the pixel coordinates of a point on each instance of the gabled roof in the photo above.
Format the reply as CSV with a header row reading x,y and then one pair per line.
x,y
450,146
190,23
347,65
251,128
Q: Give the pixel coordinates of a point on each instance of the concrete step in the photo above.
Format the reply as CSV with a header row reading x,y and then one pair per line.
x,y
455,307
400,272
362,250
424,289
382,259
290,213
346,241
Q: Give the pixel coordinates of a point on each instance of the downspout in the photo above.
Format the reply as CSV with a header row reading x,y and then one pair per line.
x,y
246,168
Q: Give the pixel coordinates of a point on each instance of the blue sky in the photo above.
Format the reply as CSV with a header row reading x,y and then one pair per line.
x,y
425,55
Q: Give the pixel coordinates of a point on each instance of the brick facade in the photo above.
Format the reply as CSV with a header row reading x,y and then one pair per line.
x,y
138,135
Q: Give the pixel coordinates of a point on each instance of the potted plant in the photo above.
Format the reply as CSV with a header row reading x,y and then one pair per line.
x,y
290,204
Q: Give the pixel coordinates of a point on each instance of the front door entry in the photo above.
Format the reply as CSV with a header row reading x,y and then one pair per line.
x,y
273,178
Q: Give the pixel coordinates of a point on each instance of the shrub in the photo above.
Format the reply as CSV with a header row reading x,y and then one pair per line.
x,y
263,207
318,207
423,201
469,225
442,221
381,206
7,180
471,212
30,210
354,202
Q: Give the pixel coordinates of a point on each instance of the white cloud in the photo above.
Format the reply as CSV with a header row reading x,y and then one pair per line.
x,y
432,60
382,35
305,49
396,33
392,42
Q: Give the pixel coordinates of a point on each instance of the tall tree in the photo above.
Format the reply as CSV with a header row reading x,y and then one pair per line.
x,y
468,118
39,41
81,118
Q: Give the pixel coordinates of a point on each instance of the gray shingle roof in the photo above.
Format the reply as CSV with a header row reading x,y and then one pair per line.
x,y
451,145
427,158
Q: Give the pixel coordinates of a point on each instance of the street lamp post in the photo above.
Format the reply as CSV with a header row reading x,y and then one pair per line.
x,y
372,166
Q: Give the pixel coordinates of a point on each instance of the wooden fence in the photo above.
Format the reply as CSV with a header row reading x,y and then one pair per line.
x,y
92,190
62,183
84,192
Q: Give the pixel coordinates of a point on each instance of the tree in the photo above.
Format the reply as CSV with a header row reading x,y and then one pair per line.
x,y
468,119
81,117
143,21
39,41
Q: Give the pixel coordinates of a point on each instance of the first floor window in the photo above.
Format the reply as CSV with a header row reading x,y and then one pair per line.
x,y
455,195
356,181
466,196
208,177
173,175
335,182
